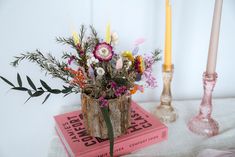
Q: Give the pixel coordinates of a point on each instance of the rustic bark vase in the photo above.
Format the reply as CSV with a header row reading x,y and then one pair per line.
x,y
119,112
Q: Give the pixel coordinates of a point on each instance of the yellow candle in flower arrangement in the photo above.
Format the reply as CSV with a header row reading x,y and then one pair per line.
x,y
168,38
108,34
75,38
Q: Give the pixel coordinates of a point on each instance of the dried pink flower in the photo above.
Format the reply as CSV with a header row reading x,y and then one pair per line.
x,y
103,52
113,84
71,59
103,102
150,79
120,91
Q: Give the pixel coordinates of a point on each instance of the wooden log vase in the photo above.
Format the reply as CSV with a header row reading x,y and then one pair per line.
x,y
119,112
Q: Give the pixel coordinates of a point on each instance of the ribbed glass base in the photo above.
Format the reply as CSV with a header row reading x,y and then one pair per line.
x,y
204,126
166,114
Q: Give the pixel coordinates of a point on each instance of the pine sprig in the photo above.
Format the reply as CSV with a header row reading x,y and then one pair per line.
x,y
49,64
66,41
66,55
94,35
29,56
82,33
156,55
93,32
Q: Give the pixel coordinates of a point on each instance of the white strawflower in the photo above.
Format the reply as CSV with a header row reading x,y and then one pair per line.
x,y
92,60
100,71
114,37
89,62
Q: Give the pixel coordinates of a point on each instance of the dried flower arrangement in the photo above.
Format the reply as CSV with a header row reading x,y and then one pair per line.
x,y
102,73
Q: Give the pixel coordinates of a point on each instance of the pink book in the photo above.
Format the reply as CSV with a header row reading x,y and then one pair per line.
x,y
145,130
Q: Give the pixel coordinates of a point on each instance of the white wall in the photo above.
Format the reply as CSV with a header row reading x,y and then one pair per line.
x,y
27,25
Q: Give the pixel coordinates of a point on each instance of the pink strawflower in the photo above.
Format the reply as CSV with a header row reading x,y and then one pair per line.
x,y
103,52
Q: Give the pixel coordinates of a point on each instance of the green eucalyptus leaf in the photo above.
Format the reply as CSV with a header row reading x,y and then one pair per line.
x,y
66,89
40,88
108,123
44,84
19,80
67,94
48,95
55,91
37,93
31,83
30,93
8,82
20,88
28,99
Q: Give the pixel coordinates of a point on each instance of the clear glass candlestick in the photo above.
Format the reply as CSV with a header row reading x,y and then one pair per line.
x,y
165,112
203,124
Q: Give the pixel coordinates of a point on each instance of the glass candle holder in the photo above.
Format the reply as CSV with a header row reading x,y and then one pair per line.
x,y
203,124
165,112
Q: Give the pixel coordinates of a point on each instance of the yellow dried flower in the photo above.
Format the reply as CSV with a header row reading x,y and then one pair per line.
x,y
128,55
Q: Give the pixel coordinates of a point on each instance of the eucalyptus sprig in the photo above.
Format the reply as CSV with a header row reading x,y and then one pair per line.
x,y
35,91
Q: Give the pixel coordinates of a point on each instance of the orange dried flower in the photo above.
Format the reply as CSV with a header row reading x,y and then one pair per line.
x,y
136,88
139,64
79,77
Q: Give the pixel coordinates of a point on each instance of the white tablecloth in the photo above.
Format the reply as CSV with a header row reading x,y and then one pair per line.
x,y
181,142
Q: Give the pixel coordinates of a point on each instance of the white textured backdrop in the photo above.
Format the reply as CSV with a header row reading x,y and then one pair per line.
x,y
26,25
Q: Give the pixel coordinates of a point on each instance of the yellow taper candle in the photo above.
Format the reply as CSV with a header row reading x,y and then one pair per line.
x,y
168,38
108,34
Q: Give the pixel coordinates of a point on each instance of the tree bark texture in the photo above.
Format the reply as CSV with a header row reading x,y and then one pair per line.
x,y
119,112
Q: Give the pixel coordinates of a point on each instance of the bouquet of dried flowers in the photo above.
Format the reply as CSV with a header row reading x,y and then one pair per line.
x,y
95,68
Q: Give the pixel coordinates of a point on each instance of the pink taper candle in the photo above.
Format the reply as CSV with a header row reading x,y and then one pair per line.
x,y
214,39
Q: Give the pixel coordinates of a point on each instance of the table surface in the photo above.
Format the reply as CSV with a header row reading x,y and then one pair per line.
x,y
181,142
28,130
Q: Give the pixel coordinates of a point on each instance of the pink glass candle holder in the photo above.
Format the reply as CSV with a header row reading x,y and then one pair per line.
x,y
165,112
203,124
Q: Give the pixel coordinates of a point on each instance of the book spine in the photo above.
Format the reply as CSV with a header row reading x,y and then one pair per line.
x,y
130,145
